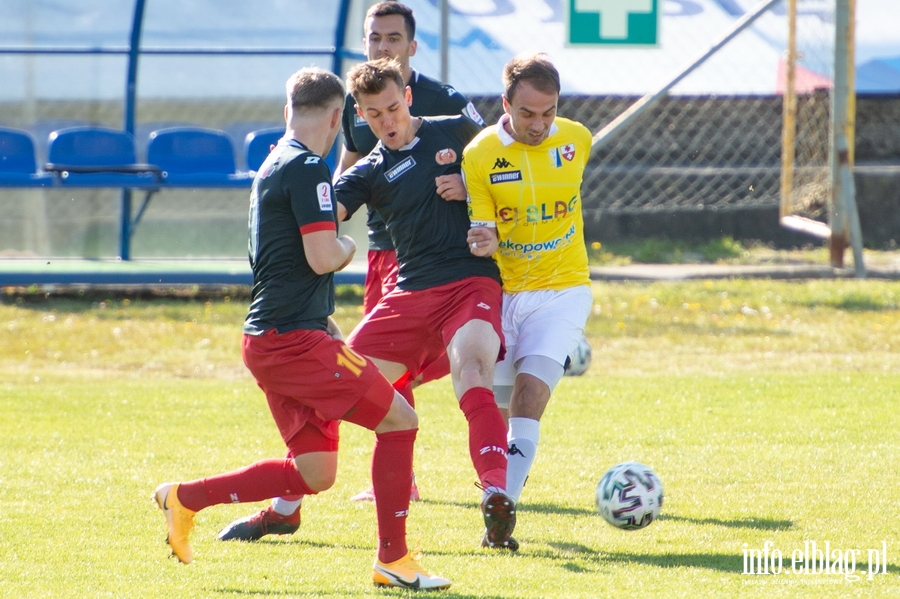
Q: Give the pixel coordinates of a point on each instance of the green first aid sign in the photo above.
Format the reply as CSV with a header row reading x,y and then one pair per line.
x,y
612,22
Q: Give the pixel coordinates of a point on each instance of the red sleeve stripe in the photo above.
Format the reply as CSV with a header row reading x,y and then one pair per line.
x,y
320,226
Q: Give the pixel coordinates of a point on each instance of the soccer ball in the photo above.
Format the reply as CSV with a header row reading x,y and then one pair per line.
x,y
629,496
579,359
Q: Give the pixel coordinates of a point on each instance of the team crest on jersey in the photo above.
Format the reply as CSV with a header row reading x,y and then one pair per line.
x,y
555,158
358,121
399,168
568,152
445,156
323,192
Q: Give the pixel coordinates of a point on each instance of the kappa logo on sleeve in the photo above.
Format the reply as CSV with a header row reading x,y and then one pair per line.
x,y
323,192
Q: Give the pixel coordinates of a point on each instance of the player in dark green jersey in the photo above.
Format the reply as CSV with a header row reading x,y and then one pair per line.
x,y
390,31
311,379
446,301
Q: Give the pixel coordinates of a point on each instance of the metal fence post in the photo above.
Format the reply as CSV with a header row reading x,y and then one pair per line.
x,y
134,50
844,216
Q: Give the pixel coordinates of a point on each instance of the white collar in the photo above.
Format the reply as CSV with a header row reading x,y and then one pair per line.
x,y
410,145
507,139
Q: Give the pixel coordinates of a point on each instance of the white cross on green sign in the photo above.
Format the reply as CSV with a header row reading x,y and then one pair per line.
x,y
612,22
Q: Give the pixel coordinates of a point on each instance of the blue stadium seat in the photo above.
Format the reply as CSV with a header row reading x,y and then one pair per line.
x,y
142,132
238,131
97,157
195,157
42,128
257,144
18,167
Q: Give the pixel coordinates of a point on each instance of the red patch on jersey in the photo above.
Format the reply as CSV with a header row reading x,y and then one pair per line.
x,y
445,156
568,151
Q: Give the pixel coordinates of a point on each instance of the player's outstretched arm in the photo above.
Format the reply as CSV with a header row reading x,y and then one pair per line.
x,y
326,252
483,241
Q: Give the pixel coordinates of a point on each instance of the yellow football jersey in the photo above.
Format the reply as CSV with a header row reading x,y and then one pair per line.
x,y
532,194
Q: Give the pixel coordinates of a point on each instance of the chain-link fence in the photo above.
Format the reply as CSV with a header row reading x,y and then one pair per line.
x,y
806,182
713,144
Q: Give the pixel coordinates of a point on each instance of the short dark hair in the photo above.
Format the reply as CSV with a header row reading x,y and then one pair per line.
x,y
384,9
312,87
371,78
535,69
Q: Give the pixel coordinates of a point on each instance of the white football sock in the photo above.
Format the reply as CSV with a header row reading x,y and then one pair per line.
x,y
284,507
523,437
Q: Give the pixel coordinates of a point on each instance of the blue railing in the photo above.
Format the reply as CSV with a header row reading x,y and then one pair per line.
x,y
134,50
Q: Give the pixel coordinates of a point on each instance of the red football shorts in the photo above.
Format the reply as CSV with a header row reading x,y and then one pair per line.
x,y
381,277
313,380
413,328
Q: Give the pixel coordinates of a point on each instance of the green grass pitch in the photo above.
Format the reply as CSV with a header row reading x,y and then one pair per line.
x,y
768,409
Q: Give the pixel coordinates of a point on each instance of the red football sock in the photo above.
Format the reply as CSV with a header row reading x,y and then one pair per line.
x,y
487,436
258,481
291,497
391,478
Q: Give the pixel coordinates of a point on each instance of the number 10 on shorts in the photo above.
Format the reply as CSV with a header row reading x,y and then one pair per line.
x,y
351,360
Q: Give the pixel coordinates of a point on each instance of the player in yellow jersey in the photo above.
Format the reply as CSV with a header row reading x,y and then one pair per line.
x,y
523,177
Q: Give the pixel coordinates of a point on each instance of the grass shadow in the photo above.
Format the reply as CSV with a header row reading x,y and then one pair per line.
x,y
751,523
852,302
312,544
708,561
555,508
732,563
576,557
541,508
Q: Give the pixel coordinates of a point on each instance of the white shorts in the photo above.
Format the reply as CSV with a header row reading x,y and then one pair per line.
x,y
545,323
